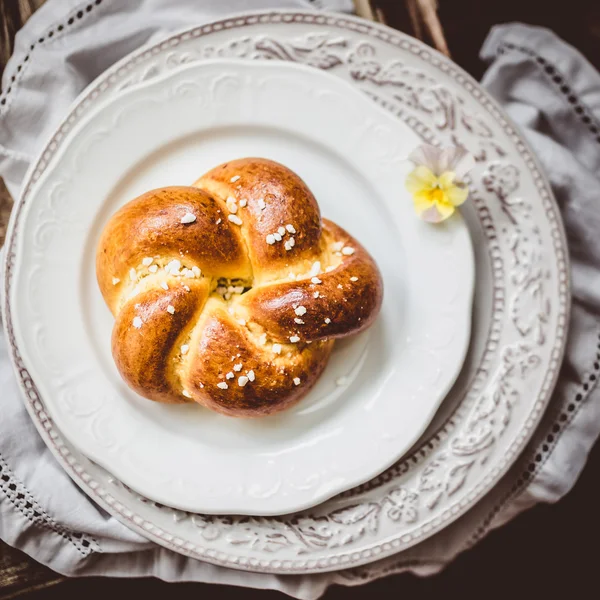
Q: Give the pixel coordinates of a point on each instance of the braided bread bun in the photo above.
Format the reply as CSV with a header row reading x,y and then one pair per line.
x,y
230,292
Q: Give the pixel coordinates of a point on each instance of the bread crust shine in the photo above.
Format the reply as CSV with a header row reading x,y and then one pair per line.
x,y
231,292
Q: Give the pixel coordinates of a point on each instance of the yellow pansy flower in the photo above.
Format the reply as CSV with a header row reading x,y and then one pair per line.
x,y
436,181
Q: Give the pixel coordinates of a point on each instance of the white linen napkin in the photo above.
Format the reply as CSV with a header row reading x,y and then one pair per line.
x,y
546,86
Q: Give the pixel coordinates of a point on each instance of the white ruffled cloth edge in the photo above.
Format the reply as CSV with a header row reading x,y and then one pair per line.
x,y
44,514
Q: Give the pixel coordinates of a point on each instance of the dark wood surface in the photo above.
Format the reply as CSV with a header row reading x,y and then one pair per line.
x,y
548,552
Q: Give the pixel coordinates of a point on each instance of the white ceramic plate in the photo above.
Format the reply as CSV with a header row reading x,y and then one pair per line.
x,y
519,319
352,154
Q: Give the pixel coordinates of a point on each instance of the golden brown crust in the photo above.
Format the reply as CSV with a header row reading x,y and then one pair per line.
x,y
145,355
348,297
183,334
224,347
287,201
151,226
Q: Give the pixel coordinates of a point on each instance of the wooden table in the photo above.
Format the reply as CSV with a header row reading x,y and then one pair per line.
x,y
549,551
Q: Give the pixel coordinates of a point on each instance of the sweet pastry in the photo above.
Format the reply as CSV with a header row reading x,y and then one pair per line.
x,y
231,292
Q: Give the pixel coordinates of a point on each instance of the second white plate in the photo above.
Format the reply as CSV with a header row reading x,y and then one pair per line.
x,y
352,154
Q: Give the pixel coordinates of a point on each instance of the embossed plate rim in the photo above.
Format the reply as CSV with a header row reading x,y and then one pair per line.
x,y
330,559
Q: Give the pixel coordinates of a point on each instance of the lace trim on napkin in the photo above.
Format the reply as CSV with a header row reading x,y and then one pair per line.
x,y
559,81
77,14
25,503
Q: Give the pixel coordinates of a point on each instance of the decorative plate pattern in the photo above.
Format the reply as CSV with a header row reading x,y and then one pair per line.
x,y
521,305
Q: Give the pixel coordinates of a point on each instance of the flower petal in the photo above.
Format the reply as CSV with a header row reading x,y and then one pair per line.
x,y
446,179
419,179
456,195
431,215
453,193
428,156
445,209
436,181
422,202
438,212
449,157
457,159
